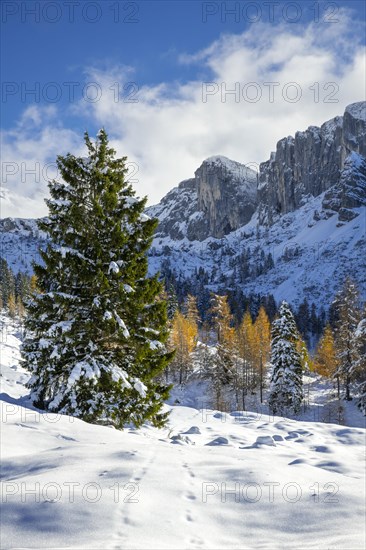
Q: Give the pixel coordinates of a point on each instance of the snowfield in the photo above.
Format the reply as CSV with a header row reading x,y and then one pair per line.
x,y
210,480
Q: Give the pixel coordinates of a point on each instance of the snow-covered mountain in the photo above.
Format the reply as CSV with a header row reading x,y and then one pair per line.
x,y
220,198
305,210
294,229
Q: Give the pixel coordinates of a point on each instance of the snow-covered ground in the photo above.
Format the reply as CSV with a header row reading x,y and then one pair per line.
x,y
209,480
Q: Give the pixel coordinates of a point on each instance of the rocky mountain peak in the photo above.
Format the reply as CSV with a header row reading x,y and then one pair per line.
x,y
219,199
310,163
226,193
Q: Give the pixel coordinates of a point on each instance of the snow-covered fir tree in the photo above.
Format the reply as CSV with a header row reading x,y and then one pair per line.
x,y
347,305
358,372
96,329
225,335
286,391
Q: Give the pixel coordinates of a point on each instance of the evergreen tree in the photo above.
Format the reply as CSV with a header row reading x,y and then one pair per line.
x,y
359,368
271,307
314,320
7,282
20,309
333,315
347,304
96,330
224,361
172,301
303,318
286,382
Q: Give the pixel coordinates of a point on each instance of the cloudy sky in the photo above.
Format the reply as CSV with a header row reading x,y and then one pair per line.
x,y
172,83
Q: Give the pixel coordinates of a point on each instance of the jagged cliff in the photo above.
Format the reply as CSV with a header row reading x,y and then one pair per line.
x,y
350,191
221,198
310,163
225,194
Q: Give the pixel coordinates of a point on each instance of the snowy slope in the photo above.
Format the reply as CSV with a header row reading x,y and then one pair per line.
x,y
230,482
20,240
312,256
323,252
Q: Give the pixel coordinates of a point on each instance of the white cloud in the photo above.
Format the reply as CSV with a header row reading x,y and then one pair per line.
x,y
29,153
170,130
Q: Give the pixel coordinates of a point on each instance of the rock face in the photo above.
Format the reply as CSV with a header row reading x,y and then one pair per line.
x,y
354,128
224,194
20,225
310,163
221,198
350,191
178,213
227,194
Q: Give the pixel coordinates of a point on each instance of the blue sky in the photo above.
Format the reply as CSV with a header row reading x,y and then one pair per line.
x,y
79,55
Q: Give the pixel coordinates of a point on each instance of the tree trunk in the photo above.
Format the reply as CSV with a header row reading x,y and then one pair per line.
x,y
261,379
348,394
243,386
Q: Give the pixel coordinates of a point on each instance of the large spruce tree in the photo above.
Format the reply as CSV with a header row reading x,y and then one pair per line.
x,y
96,331
286,382
359,368
349,315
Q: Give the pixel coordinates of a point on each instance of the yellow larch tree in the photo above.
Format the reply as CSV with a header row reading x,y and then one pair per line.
x,y
325,360
192,314
12,308
247,377
183,340
262,347
33,284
